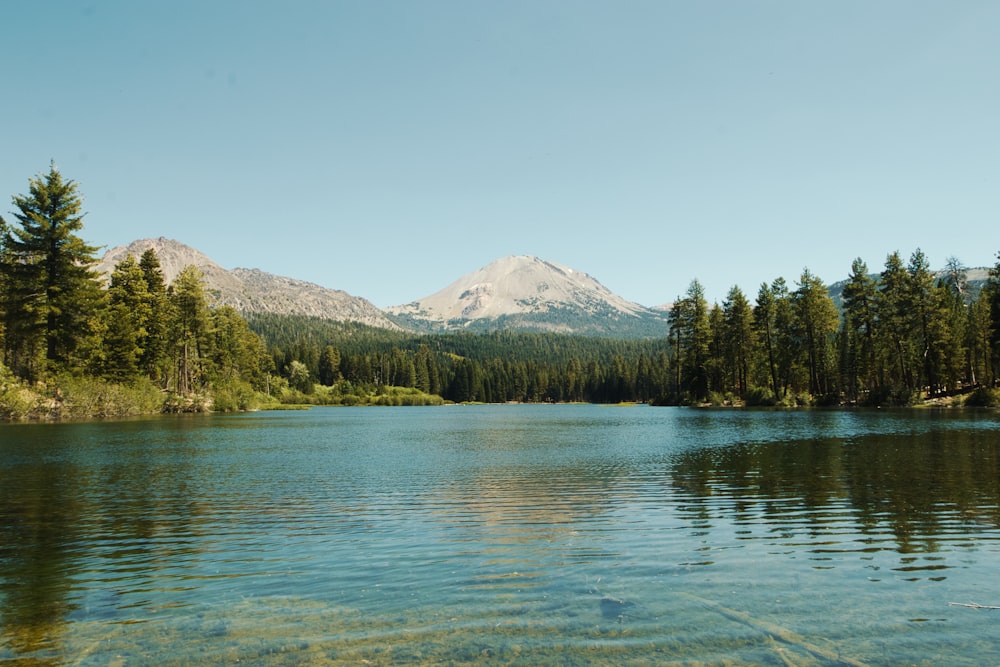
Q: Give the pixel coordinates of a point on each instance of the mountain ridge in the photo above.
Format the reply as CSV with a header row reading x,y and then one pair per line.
x,y
519,292
252,291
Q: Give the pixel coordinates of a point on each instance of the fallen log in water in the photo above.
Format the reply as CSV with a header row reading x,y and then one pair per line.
x,y
971,605
776,631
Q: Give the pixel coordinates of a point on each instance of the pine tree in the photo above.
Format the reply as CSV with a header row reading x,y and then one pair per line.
x,y
422,361
993,298
124,322
717,364
860,328
764,323
947,329
237,353
893,320
775,323
329,366
3,290
920,309
189,329
696,332
978,331
817,318
676,319
51,292
153,358
739,336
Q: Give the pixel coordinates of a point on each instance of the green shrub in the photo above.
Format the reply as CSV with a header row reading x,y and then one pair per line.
x,y
719,398
18,403
760,397
407,396
178,403
85,397
827,400
234,396
351,399
670,399
890,396
983,398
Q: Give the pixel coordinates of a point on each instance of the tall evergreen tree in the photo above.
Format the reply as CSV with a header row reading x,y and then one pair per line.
x,y
920,310
786,344
860,331
993,298
153,358
764,323
237,353
3,290
50,288
717,366
428,379
894,321
329,366
695,331
956,277
946,329
124,322
817,318
676,319
978,333
739,336
189,329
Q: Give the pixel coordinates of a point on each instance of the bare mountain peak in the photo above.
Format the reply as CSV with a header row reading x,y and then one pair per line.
x,y
252,291
173,256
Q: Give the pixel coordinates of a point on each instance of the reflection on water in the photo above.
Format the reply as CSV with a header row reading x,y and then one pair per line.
x,y
915,493
502,534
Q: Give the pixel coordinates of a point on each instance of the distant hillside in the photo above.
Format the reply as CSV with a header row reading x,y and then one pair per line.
x,y
530,294
977,279
252,291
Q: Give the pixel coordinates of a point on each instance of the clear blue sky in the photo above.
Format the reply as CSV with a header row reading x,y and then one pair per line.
x,y
387,147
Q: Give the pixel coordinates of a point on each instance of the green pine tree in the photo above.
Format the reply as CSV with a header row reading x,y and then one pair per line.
x,y
817,319
329,366
739,337
153,358
124,322
50,290
860,327
189,329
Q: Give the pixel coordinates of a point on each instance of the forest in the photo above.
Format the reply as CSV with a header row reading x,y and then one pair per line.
x,y
79,345
901,337
75,346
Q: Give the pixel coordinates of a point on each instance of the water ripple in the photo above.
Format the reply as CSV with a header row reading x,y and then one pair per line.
x,y
510,535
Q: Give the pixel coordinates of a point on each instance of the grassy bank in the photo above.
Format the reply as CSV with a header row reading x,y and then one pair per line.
x,y
71,398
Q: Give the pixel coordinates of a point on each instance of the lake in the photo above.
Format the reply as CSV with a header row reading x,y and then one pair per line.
x,y
566,534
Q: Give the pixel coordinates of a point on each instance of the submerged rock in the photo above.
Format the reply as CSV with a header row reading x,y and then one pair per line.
x,y
617,610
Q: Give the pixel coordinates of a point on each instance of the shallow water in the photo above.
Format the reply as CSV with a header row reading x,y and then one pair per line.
x,y
503,535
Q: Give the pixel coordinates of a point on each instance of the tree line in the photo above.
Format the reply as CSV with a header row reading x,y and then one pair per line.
x,y
899,335
59,325
495,367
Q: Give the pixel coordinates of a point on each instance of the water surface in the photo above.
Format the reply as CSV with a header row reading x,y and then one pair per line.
x,y
503,535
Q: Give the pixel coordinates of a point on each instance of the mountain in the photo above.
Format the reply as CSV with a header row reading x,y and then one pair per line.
x,y
529,293
252,291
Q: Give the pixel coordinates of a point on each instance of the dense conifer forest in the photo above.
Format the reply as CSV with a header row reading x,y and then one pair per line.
x,y
76,345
